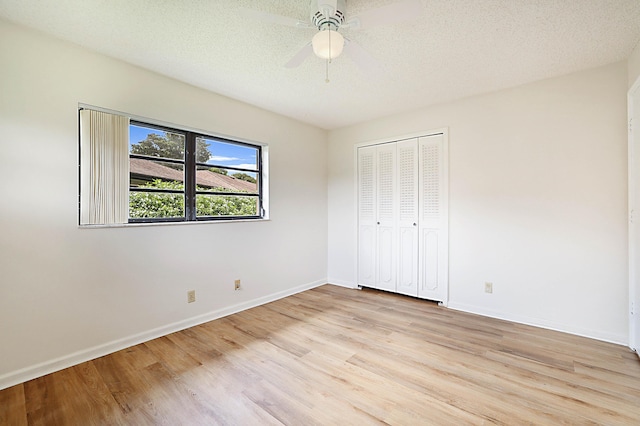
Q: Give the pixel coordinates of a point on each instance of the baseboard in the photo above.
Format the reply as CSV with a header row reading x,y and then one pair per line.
x,y
39,370
537,322
342,283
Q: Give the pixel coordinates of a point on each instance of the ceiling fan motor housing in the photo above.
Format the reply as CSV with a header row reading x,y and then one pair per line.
x,y
327,14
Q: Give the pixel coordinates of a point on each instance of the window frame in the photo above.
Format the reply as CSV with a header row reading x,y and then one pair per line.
x,y
190,166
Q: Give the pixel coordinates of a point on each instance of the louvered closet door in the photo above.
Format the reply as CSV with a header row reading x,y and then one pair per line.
x,y
433,201
407,161
387,216
367,227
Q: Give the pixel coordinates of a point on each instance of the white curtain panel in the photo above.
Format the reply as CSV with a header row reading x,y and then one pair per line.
x,y
104,168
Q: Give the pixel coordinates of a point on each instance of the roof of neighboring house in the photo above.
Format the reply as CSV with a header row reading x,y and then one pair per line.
x,y
217,180
154,170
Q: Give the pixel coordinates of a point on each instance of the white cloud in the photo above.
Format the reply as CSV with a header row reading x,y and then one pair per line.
x,y
219,158
245,166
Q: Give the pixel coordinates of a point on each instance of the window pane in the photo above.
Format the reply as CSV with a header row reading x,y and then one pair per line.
x,y
159,179
225,180
155,143
155,174
226,205
228,154
155,205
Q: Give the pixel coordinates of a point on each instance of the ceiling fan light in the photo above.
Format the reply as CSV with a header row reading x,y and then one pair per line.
x,y
327,44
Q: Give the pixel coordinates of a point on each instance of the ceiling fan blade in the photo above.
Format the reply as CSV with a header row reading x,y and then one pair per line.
x,y
386,15
299,57
362,58
273,19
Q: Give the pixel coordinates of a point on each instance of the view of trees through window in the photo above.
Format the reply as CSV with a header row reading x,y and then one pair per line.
x,y
221,179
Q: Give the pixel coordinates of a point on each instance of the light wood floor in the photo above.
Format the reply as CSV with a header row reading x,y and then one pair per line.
x,y
338,356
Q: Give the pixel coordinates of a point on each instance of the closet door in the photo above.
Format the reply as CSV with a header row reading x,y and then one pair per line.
x,y
386,208
407,163
433,225
367,227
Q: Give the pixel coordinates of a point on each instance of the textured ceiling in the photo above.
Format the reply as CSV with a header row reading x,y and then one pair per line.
x,y
453,49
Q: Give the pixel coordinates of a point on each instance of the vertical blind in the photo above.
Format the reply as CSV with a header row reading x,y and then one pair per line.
x,y
104,168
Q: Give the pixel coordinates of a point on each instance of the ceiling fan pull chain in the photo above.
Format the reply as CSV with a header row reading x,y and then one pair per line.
x,y
327,79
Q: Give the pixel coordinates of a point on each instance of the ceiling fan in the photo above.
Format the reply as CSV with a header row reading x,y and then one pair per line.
x,y
329,17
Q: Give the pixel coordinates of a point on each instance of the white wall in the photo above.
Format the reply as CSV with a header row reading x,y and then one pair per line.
x,y
537,200
634,65
68,293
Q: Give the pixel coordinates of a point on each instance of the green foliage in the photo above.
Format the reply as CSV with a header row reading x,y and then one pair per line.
x,y
225,205
245,177
157,205
202,151
218,170
163,205
170,146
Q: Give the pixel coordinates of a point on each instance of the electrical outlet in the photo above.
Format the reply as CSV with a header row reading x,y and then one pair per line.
x,y
488,287
237,285
191,296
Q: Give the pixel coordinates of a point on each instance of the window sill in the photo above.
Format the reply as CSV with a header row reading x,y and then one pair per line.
x,y
201,222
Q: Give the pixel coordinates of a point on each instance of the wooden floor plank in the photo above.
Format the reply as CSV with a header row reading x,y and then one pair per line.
x,y
76,395
12,406
337,356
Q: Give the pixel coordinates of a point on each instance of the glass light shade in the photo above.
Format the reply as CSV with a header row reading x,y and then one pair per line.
x,y
327,44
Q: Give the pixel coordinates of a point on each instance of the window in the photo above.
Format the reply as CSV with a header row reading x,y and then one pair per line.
x,y
180,175
172,175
